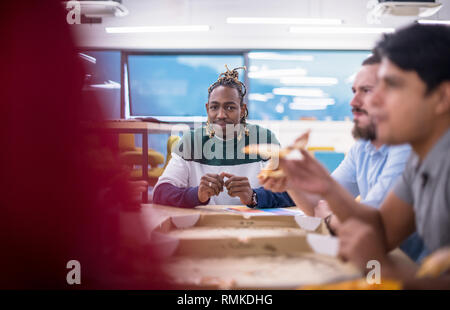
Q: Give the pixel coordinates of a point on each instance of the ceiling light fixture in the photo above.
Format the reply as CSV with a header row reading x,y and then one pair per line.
x,y
340,30
278,56
276,73
433,22
284,21
147,29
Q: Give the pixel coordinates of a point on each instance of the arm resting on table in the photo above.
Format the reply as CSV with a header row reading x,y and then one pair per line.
x,y
269,199
170,195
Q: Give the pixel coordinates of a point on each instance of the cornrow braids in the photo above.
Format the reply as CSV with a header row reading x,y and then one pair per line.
x,y
230,78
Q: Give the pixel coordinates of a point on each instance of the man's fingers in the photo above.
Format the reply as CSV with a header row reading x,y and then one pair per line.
x,y
280,186
346,233
290,166
213,180
209,191
238,184
343,248
215,187
310,163
342,255
294,169
212,186
235,179
213,192
268,183
263,180
237,191
337,230
273,185
306,154
239,188
226,174
217,177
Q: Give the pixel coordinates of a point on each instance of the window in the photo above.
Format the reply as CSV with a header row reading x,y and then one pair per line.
x,y
302,84
175,85
102,82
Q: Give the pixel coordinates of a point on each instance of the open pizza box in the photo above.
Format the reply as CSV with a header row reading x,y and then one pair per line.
x,y
236,252
207,235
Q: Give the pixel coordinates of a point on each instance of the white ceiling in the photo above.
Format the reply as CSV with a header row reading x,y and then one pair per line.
x,y
230,36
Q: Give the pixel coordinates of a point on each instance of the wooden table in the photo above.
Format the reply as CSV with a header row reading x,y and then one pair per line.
x,y
138,127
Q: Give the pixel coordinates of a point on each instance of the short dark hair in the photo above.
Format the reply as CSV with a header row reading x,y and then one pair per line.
x,y
424,49
372,59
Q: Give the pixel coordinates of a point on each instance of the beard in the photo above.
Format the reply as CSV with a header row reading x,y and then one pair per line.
x,y
365,133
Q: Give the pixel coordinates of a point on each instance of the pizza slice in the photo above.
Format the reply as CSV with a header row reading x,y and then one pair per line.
x,y
273,151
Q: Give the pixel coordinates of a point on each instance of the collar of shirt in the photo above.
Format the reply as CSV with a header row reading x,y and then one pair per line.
x,y
372,150
430,165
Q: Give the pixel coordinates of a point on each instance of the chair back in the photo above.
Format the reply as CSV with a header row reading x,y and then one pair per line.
x,y
171,142
126,142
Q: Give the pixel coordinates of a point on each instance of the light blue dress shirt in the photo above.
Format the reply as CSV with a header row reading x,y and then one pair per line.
x,y
371,173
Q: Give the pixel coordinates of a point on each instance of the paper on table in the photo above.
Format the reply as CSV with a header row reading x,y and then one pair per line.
x,y
243,210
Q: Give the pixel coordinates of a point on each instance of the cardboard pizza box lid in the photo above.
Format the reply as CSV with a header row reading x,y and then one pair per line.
x,y
234,220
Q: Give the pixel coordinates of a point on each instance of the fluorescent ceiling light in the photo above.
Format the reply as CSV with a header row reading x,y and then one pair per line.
x,y
340,30
434,22
278,56
146,29
275,74
309,80
305,92
283,21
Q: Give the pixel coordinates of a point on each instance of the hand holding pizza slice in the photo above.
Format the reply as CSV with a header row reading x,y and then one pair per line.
x,y
274,152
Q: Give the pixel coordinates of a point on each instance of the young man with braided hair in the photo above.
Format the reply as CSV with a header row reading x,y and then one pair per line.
x,y
208,165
